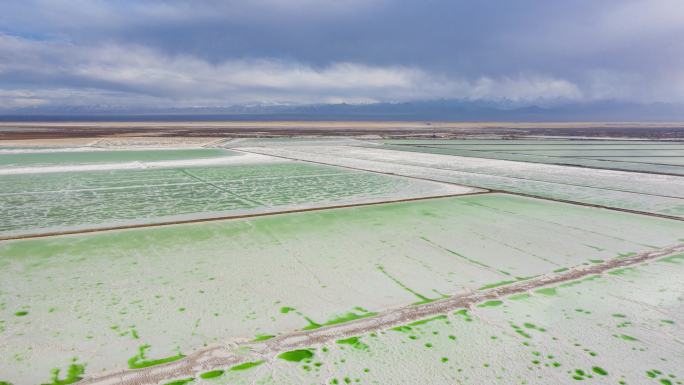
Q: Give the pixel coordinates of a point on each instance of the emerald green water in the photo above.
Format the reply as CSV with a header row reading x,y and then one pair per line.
x,y
140,360
346,317
246,365
491,303
212,374
547,291
263,337
74,374
296,355
181,382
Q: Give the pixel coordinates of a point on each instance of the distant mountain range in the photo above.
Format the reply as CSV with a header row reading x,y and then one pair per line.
x,y
435,110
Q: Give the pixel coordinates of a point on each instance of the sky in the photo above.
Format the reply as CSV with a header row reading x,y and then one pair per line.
x,y
193,53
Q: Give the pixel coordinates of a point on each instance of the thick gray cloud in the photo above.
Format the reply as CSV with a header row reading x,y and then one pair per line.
x,y
214,53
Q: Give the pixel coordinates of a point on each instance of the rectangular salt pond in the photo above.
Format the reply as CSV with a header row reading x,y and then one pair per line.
x,y
599,154
543,143
100,297
661,194
576,152
33,203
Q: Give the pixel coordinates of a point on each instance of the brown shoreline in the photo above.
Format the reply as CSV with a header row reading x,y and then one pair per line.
x,y
400,129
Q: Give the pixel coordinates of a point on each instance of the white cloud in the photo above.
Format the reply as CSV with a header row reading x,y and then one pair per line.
x,y
135,75
68,15
525,88
634,19
220,52
20,99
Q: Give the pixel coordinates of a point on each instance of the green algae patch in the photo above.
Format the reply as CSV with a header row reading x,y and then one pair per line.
x,y
580,375
427,320
676,259
296,355
625,255
311,323
262,337
532,326
520,331
497,284
429,300
246,365
342,319
349,341
627,337
562,269
492,303
211,374
519,297
403,329
548,291
600,371
181,382
140,361
506,282
74,374
653,373
5,383
355,342
21,313
622,271
464,313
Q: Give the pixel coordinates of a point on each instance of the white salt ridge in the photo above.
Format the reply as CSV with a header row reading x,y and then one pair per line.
x,y
229,160
50,150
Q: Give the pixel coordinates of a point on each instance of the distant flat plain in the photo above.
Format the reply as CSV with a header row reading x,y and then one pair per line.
x,y
51,130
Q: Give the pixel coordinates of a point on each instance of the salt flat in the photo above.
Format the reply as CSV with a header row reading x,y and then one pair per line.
x,y
90,191
100,297
295,243
619,328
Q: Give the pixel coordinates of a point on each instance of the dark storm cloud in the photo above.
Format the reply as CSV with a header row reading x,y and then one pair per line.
x,y
294,51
